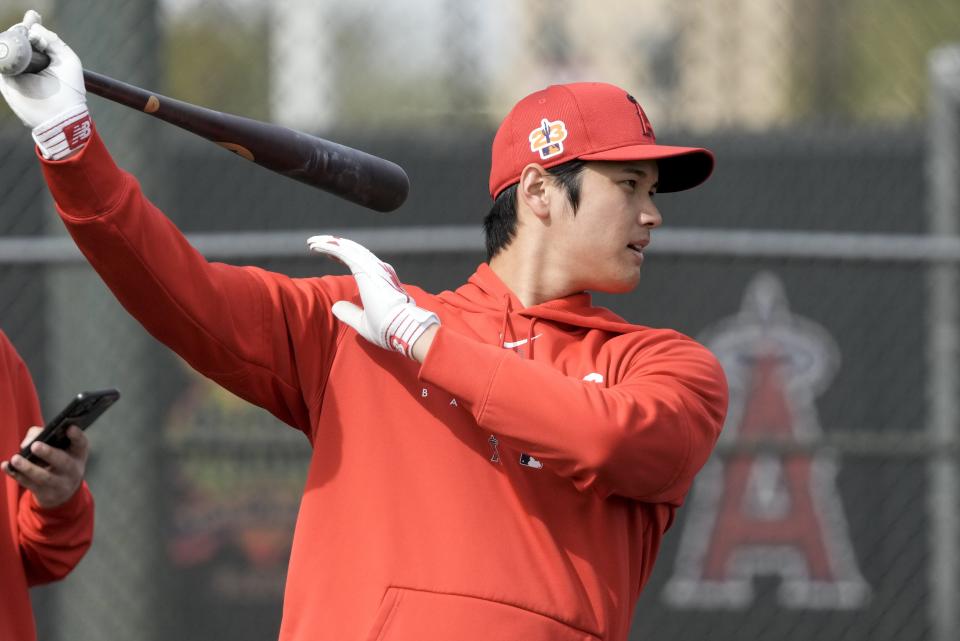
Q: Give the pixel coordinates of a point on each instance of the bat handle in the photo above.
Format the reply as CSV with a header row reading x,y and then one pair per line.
x,y
16,54
38,62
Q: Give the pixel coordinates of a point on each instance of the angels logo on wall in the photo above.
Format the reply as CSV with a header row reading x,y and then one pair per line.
x,y
768,514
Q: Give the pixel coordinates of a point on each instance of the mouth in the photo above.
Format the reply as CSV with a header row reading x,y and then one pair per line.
x,y
637,248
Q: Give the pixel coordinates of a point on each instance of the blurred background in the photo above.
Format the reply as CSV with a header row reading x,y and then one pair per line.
x,y
820,263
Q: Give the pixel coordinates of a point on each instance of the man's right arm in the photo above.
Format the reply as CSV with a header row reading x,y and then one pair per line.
x,y
234,324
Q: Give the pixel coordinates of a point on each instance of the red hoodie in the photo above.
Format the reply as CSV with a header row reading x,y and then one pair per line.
x,y
37,545
490,493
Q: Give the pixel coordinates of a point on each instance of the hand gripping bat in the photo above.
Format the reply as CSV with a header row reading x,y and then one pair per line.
x,y
354,175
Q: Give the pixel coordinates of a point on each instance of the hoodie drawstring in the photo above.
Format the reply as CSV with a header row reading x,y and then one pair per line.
x,y
533,323
507,308
531,326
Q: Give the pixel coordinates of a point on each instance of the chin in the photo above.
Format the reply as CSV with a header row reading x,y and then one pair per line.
x,y
618,286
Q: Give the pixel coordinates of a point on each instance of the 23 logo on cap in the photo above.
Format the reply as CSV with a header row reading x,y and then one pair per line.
x,y
547,139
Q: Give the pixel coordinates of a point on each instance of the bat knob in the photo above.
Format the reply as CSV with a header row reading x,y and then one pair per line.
x,y
16,54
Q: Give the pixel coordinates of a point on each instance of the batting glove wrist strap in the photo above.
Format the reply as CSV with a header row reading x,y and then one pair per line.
x,y
65,133
407,326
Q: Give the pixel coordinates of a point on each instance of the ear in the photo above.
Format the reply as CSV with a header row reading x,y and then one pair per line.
x,y
532,190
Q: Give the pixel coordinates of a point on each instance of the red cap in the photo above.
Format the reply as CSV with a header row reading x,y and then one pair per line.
x,y
589,121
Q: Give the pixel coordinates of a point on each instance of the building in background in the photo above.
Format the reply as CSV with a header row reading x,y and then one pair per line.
x,y
700,65
687,62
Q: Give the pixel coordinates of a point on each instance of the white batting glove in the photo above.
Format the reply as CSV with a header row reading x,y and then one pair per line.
x,y
52,102
389,318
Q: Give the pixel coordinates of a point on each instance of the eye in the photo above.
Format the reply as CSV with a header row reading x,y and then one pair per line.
x,y
653,194
632,184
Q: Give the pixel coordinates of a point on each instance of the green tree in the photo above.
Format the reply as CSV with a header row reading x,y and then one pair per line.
x,y
219,61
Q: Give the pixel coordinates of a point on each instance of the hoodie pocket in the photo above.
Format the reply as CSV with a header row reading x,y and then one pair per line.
x,y
417,615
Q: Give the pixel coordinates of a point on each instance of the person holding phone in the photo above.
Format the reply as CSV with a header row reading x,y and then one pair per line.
x,y
46,509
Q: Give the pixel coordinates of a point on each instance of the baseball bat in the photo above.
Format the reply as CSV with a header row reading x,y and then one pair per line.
x,y
361,178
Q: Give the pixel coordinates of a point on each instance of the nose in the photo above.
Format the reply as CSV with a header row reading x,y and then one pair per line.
x,y
650,216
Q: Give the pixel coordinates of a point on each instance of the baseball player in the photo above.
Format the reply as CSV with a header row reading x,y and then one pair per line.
x,y
496,462
46,513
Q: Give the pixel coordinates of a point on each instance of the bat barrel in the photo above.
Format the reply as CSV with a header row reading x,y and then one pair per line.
x,y
362,178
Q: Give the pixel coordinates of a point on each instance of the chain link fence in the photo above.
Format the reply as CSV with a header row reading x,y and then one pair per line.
x,y
820,264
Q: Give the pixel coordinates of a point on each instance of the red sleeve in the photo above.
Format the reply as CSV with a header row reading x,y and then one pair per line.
x,y
644,438
51,541
237,325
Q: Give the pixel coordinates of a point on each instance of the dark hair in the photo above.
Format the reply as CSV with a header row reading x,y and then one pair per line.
x,y
500,223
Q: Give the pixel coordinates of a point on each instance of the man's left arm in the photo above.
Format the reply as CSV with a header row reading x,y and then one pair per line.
x,y
644,438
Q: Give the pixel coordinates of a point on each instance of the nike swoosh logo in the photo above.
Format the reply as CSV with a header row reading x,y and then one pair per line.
x,y
510,345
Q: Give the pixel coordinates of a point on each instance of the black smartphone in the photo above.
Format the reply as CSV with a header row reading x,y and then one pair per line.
x,y
82,411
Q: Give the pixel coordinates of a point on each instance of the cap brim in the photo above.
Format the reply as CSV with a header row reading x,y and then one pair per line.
x,y
680,167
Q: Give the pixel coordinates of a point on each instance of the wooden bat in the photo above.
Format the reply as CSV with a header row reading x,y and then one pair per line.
x,y
349,173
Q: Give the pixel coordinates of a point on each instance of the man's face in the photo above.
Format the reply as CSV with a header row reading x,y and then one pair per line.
x,y
602,243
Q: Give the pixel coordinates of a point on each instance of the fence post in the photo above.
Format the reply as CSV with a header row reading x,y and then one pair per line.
x,y
303,65
943,346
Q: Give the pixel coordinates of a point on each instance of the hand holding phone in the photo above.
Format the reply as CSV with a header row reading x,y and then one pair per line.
x,y
82,411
